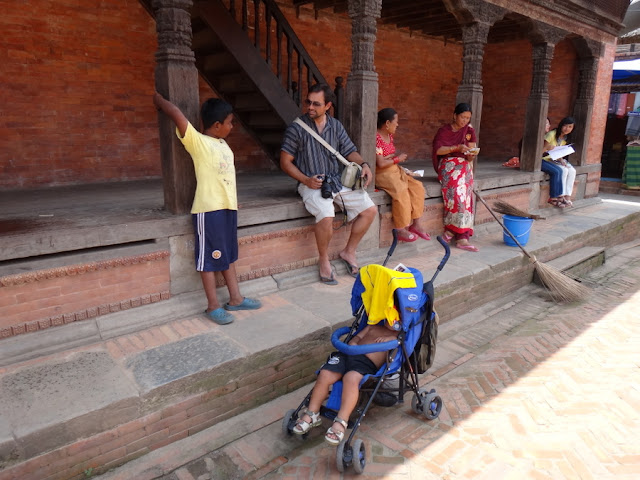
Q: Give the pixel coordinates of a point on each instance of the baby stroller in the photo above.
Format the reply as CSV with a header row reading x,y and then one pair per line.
x,y
412,353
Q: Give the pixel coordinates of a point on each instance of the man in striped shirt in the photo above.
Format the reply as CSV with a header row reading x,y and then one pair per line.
x,y
303,158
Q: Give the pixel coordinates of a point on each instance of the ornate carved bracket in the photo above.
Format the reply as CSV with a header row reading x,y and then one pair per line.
x,y
474,38
363,14
588,70
173,25
542,55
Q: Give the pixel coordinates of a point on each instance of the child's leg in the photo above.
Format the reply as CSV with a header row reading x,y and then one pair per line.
x,y
209,285
350,394
230,278
320,392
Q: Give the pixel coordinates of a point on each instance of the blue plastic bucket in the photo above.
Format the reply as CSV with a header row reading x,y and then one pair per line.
x,y
520,227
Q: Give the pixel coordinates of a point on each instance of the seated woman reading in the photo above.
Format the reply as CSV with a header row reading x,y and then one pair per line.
x,y
561,173
407,194
453,154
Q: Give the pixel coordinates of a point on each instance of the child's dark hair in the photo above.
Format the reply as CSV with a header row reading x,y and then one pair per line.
x,y
214,110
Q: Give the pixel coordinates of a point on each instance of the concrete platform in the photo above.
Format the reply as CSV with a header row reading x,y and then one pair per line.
x,y
88,397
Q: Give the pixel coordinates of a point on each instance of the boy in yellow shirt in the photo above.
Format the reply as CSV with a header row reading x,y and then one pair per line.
x,y
215,204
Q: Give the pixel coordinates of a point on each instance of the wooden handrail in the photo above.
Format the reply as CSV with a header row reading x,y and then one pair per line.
x,y
296,55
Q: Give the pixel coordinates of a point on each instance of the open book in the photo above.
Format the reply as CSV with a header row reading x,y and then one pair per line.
x,y
559,152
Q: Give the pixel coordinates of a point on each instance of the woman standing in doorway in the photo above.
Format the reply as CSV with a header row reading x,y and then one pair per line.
x,y
452,157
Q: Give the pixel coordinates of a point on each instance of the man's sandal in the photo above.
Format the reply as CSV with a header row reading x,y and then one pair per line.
x,y
338,435
302,426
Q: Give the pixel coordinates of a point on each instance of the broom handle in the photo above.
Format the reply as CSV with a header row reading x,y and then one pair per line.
x,y
502,225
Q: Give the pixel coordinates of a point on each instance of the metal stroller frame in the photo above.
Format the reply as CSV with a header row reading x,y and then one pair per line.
x,y
399,359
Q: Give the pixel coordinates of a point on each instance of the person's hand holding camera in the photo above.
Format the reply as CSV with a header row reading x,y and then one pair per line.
x,y
314,182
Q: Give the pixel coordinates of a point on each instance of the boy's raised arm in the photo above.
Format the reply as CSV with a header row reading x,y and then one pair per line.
x,y
172,112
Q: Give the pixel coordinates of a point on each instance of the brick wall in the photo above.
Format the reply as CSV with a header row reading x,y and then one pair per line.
x,y
52,297
78,78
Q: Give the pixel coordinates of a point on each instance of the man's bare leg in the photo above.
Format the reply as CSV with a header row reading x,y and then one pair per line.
x,y
359,227
324,231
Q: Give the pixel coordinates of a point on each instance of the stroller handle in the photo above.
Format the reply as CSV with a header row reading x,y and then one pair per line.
x,y
360,349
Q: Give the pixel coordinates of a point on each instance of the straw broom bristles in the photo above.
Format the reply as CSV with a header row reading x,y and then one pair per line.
x,y
506,209
561,287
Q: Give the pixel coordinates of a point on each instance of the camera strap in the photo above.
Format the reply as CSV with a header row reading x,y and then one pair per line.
x,y
322,141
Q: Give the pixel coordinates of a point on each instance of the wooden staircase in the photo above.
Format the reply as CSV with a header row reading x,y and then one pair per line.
x,y
249,54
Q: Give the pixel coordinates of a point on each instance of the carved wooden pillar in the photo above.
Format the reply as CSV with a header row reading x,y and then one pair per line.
x,y
474,38
545,37
176,78
537,108
583,109
360,112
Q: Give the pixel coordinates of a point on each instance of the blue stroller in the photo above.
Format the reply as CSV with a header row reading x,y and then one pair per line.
x,y
412,353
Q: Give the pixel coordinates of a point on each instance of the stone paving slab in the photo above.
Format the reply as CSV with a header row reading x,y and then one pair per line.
x,y
307,311
531,389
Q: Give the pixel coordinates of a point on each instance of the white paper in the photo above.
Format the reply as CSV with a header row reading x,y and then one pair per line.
x,y
562,151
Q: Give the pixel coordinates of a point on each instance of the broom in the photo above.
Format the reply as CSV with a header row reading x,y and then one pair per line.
x,y
561,287
506,209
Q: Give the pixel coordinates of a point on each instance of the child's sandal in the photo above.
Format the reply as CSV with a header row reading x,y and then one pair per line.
x,y
302,426
339,435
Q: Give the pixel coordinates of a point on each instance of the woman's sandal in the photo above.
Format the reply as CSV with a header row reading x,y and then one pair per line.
x,y
410,238
447,237
338,435
302,426
556,203
422,235
567,202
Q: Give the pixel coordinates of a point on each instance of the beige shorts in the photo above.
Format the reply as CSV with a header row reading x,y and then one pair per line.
x,y
353,201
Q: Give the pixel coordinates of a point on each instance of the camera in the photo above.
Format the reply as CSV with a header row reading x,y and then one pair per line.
x,y
325,188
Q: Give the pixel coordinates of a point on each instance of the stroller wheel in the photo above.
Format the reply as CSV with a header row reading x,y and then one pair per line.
x,y
287,424
340,460
359,456
418,401
432,406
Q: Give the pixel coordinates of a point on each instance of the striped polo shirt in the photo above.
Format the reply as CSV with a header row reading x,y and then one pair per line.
x,y
310,156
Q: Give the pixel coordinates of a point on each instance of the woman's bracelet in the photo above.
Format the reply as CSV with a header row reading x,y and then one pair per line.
x,y
396,160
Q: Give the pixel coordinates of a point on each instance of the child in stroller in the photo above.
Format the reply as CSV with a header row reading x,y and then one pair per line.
x,y
351,369
394,331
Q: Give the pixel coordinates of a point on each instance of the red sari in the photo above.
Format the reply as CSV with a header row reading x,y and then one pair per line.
x,y
455,174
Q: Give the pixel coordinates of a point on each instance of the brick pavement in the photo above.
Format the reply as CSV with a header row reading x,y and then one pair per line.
x,y
531,390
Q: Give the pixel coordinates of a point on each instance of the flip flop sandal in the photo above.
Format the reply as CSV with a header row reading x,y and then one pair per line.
x,y
339,435
556,203
350,268
409,239
246,304
425,236
219,316
329,280
468,248
302,426
447,237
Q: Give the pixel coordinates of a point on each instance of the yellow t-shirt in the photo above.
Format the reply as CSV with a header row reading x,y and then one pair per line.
x,y
550,138
215,171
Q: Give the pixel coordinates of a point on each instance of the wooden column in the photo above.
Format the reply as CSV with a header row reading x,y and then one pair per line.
x,y
361,99
176,77
544,39
583,109
474,38
537,108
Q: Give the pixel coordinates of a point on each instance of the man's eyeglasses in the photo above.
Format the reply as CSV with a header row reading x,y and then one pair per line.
x,y
308,103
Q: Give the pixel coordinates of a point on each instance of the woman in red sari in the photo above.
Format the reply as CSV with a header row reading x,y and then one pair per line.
x,y
453,161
